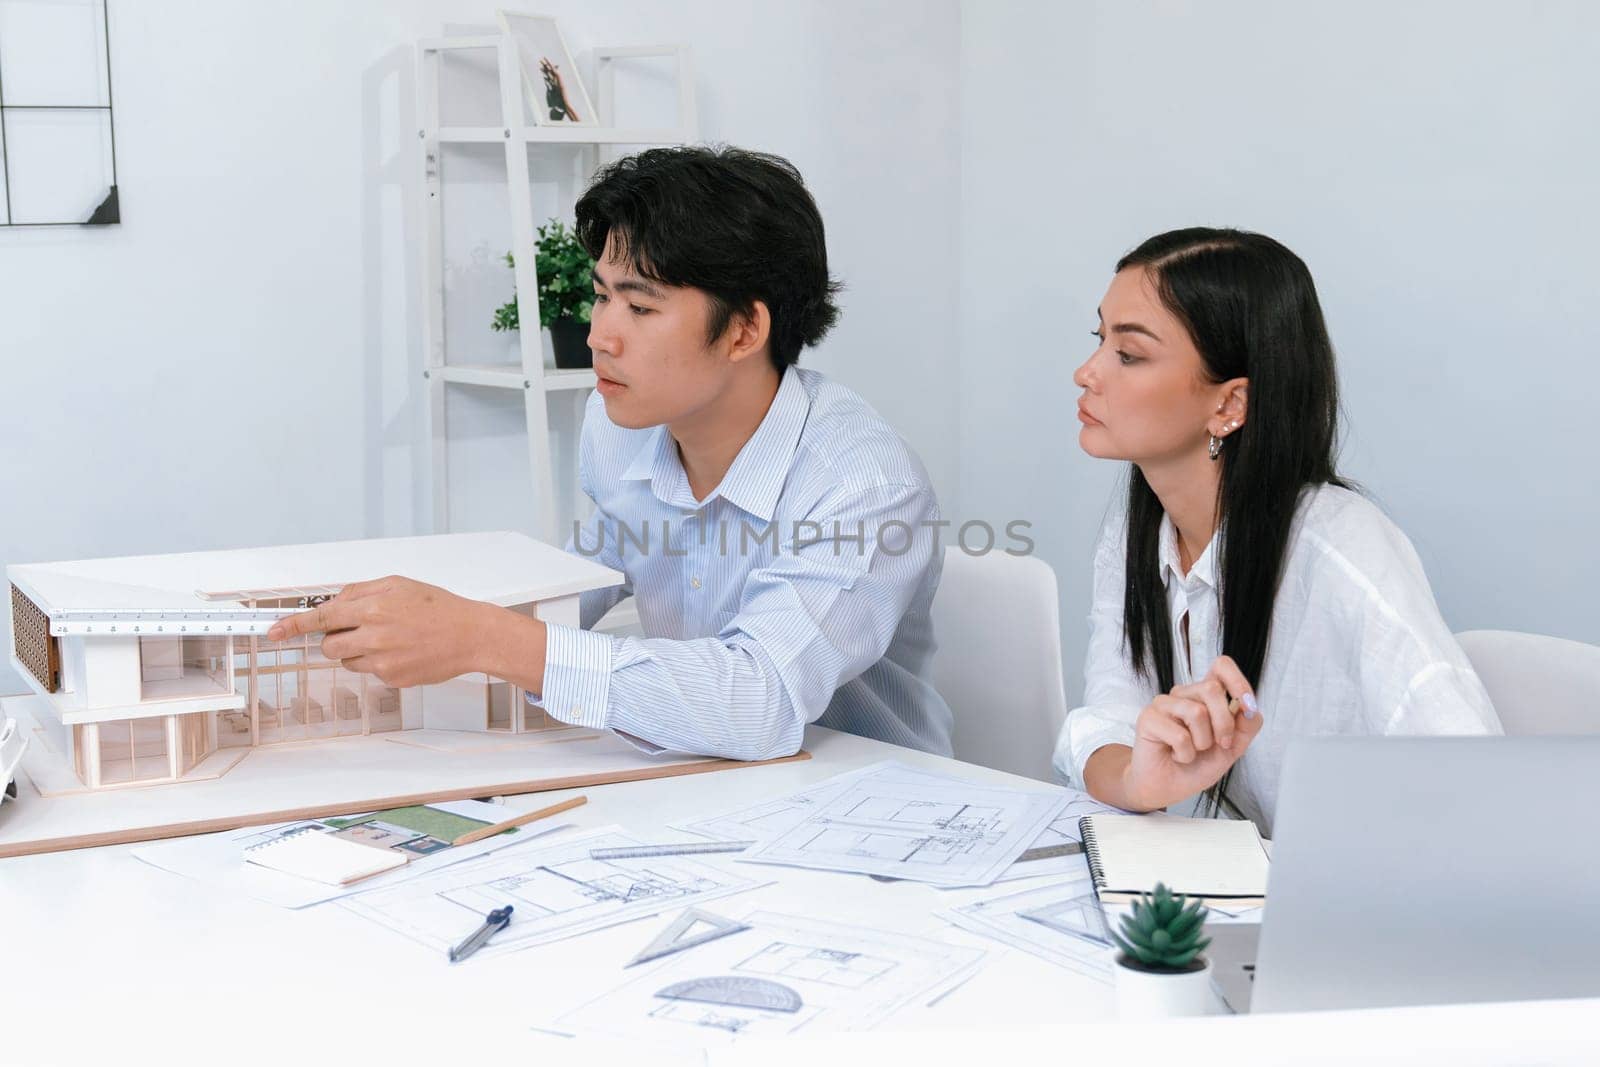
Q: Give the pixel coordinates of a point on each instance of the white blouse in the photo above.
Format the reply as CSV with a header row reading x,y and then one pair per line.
x,y
1357,645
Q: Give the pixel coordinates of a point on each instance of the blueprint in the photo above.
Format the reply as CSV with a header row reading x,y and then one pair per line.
x,y
1062,830
893,822
771,818
1060,922
783,975
764,821
556,891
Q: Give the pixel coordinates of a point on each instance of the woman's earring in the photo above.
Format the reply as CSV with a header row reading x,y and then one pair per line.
x,y
1216,448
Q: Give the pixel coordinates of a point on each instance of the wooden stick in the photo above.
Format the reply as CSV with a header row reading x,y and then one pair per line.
x,y
520,820
10,845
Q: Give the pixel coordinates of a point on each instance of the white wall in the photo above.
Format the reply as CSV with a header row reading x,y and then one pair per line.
x,y
1434,163
254,319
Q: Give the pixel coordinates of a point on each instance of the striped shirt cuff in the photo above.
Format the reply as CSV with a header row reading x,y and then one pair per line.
x,y
577,675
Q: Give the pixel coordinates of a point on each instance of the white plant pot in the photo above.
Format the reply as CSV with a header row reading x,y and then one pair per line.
x,y
1144,995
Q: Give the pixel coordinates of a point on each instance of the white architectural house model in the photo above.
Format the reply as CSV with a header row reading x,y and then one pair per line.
x,y
135,703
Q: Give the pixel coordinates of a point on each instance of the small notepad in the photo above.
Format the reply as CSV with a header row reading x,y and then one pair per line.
x,y
1218,859
321,857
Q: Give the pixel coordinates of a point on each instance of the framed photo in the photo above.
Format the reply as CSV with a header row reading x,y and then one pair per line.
x,y
550,77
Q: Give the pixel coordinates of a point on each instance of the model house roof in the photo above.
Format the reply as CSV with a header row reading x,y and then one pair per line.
x,y
501,568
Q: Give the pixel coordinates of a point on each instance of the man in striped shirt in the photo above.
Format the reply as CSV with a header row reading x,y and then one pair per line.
x,y
779,537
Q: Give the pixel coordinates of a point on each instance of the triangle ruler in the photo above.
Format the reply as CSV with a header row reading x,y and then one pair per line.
x,y
682,934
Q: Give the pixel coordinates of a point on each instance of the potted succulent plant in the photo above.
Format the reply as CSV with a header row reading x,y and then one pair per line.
x,y
1160,972
566,295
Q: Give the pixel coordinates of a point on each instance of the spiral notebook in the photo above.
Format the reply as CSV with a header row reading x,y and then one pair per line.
x,y
1212,859
310,852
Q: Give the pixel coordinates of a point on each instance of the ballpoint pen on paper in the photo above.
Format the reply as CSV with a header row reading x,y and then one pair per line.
x,y
493,923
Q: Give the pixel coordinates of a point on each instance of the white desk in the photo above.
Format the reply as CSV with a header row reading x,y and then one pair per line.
x,y
104,958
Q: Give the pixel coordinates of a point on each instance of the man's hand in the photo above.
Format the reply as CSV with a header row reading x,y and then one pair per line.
x,y
408,633
1185,741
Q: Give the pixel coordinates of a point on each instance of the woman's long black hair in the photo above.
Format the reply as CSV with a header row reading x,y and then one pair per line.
x,y
1251,309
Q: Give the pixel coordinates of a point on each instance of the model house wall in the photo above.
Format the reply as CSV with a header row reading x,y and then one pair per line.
x,y
138,709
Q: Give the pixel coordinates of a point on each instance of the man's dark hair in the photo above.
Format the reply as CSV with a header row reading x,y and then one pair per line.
x,y
737,225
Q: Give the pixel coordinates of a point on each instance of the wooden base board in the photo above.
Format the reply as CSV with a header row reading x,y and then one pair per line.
x,y
461,742
282,783
52,775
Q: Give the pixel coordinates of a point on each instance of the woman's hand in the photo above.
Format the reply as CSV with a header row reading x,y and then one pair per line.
x,y
1185,741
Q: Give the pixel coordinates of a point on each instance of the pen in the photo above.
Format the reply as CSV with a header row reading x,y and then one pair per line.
x,y
493,923
520,820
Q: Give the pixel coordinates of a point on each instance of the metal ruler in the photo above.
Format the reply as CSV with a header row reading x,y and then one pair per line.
x,y
1042,852
683,848
221,621
1050,852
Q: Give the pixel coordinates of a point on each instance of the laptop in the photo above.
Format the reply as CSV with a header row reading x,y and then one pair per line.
x,y
1437,870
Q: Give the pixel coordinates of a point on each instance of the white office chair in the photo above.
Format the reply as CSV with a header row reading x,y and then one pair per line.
x,y
997,622
1538,684
622,620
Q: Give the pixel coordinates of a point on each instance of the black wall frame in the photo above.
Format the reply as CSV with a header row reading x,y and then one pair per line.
x,y
108,210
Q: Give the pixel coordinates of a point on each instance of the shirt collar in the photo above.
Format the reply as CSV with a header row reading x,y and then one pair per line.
x,y
657,463
1205,568
759,471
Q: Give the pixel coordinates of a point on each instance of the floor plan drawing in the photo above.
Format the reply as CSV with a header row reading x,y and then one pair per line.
x,y
556,890
929,815
565,888
782,975
929,849
1061,831
850,970
1064,827
928,828
768,819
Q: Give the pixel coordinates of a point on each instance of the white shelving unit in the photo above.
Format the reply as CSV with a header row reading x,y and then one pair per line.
x,y
519,136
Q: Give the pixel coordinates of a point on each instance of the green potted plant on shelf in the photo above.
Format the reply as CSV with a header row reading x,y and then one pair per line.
x,y
566,295
1160,971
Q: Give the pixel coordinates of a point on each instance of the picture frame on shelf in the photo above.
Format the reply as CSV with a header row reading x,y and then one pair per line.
x,y
556,94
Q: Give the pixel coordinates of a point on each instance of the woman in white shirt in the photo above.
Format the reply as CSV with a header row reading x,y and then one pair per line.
x,y
1246,595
